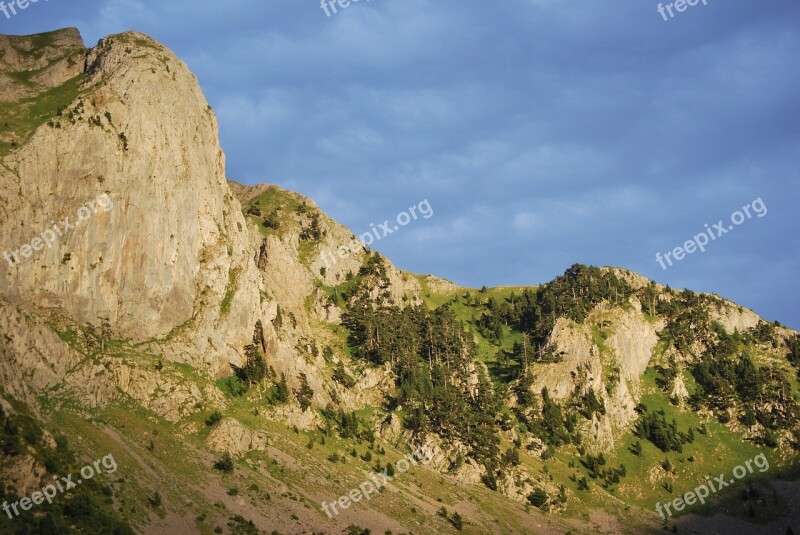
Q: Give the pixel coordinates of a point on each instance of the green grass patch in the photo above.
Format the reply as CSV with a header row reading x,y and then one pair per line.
x,y
713,453
230,291
282,203
21,119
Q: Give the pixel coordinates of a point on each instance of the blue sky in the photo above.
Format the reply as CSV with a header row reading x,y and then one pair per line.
x,y
542,132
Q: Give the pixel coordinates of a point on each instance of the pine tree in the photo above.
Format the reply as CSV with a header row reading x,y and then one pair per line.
x,y
305,393
105,332
225,463
538,498
341,376
282,390
457,521
255,369
155,500
258,337
552,420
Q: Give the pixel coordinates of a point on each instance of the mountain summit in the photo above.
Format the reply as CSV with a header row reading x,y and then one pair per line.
x,y
192,330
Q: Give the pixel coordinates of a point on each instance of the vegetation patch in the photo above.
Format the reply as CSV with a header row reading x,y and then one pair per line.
x,y
21,119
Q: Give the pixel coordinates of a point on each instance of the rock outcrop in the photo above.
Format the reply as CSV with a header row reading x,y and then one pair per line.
x,y
232,437
608,354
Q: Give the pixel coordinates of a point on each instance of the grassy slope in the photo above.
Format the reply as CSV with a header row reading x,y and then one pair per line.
x,y
275,491
278,489
273,198
290,212
487,351
21,119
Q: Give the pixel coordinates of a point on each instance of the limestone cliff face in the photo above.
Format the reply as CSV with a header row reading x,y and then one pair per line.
x,y
33,357
168,235
116,209
733,317
608,354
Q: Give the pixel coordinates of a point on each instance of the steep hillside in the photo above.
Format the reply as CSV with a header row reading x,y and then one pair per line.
x,y
195,332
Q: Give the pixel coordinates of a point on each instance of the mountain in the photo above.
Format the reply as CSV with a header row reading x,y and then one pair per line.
x,y
228,359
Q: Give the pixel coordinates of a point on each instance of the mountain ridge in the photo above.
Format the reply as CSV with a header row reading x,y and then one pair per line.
x,y
198,314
